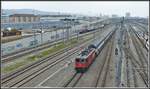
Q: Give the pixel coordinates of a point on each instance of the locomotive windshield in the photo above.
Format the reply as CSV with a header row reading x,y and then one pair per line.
x,y
77,60
92,46
85,52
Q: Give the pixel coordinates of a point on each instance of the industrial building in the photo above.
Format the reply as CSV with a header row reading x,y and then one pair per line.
x,y
4,18
23,18
127,14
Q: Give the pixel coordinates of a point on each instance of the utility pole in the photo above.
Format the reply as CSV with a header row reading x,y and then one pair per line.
x,y
41,35
63,35
77,33
55,33
48,31
68,30
41,26
34,35
73,26
51,33
34,39
93,31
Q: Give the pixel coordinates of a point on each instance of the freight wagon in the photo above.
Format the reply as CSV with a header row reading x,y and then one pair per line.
x,y
11,33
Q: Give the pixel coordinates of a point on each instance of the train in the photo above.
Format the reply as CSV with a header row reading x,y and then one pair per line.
x,y
85,30
87,56
11,33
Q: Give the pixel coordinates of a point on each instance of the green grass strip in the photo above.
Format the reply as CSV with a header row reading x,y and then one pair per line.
x,y
36,57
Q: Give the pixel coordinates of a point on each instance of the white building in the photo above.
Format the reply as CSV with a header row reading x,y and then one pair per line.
x,y
4,19
128,14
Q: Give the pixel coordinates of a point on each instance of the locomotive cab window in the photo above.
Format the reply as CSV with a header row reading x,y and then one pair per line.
x,y
84,53
77,60
82,60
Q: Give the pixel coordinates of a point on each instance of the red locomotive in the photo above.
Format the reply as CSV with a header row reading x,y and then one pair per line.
x,y
88,55
84,60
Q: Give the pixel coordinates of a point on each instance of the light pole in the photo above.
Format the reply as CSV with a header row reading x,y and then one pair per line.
x,y
64,34
92,25
51,32
68,27
34,35
41,31
55,33
71,27
68,30
77,33
41,26
48,32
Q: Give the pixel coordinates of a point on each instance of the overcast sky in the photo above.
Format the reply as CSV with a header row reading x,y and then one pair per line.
x,y
136,8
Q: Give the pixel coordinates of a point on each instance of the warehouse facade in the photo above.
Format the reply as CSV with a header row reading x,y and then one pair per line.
x,y
23,18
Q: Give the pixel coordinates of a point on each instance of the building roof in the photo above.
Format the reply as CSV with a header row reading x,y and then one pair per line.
x,y
55,15
22,15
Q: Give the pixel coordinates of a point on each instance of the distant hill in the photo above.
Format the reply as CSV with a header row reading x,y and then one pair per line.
x,y
28,11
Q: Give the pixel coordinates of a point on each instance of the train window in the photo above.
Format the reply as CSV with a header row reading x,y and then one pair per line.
x,y
77,60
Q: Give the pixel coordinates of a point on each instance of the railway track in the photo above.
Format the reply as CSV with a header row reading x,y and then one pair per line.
x,y
137,45
136,64
138,48
14,55
72,82
134,77
127,46
24,75
75,78
141,41
36,63
102,74
18,82
127,70
24,51
127,61
140,53
142,74
31,67
6,75
143,28
22,70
